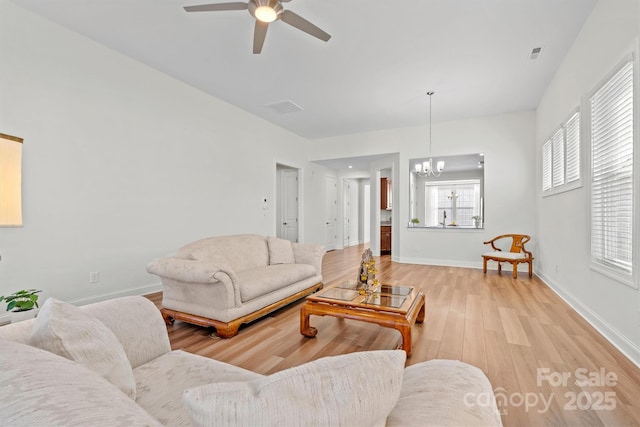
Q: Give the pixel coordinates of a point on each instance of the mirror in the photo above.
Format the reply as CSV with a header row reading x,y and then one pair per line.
x,y
447,192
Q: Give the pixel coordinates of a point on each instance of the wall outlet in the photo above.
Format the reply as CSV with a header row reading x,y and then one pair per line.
x,y
94,277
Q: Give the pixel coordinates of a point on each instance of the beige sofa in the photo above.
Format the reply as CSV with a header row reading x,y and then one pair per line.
x,y
113,366
229,280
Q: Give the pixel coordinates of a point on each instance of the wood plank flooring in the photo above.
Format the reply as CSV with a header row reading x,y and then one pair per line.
x,y
547,365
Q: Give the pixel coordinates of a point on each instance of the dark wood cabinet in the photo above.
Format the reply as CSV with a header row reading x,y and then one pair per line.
x,y
385,239
386,195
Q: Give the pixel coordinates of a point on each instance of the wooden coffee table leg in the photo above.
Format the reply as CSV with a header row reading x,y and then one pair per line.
x,y
420,317
306,329
405,331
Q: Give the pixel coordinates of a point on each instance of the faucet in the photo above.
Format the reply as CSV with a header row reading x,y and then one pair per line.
x,y
444,219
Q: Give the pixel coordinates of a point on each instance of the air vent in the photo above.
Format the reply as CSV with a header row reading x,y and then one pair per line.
x,y
535,52
285,107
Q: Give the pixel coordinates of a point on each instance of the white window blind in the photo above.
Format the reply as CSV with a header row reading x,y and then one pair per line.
x,y
546,166
612,171
558,158
572,136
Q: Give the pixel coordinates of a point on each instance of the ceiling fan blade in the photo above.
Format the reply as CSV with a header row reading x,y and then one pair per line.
x,y
302,24
259,34
217,7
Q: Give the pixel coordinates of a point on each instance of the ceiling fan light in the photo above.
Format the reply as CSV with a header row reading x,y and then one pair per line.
x,y
265,14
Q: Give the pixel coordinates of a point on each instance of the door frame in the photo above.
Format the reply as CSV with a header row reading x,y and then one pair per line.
x,y
280,167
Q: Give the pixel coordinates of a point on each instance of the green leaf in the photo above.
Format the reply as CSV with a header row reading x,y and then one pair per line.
x,y
11,305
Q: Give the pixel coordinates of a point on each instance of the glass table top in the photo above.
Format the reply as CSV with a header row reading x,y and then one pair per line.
x,y
380,296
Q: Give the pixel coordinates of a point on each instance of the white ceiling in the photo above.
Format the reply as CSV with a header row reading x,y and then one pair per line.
x,y
374,72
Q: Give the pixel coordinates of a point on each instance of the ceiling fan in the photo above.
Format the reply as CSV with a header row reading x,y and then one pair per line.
x,y
264,12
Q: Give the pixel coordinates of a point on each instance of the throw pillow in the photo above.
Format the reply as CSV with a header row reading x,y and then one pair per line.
x,y
280,251
39,388
357,389
70,332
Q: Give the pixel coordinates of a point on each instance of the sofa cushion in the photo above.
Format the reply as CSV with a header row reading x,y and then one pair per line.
x,y
70,332
280,251
242,251
161,382
39,388
357,389
444,392
262,280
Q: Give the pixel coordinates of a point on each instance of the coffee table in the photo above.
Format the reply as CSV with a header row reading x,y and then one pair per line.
x,y
397,307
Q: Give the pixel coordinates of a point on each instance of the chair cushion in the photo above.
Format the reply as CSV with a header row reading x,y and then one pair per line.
x,y
260,281
280,251
444,393
70,332
504,255
357,389
39,388
161,383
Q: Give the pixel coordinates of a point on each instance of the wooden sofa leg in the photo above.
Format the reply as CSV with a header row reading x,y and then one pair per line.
x,y
530,269
167,316
515,270
484,265
227,330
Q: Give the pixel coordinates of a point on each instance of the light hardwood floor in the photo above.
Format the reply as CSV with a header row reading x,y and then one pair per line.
x,y
547,365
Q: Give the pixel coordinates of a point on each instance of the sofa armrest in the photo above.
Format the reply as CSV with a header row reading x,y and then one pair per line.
x,y
197,271
309,254
186,270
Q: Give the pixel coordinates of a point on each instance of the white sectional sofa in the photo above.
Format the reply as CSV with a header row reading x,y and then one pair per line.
x,y
111,364
229,280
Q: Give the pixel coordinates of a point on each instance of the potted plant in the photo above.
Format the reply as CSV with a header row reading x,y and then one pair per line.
x,y
21,304
415,221
476,220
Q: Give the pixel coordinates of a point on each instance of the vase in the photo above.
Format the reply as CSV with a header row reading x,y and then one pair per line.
x,y
19,316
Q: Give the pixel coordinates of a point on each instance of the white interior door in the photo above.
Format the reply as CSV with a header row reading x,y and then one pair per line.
x,y
354,212
289,191
331,212
366,218
346,213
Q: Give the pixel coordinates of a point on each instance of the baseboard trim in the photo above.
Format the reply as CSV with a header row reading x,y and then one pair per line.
x,y
491,266
629,349
142,290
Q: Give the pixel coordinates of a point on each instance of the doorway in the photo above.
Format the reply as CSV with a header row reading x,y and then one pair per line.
x,y
331,212
288,208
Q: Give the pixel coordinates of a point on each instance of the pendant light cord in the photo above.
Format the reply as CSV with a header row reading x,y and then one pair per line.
x,y
430,95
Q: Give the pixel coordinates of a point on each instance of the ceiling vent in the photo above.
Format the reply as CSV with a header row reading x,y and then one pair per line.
x,y
285,107
535,52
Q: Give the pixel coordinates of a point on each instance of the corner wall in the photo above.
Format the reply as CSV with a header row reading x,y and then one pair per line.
x,y
610,33
123,164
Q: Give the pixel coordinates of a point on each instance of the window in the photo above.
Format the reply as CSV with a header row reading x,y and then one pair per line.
x,y
10,181
458,200
558,158
546,167
572,135
561,158
611,127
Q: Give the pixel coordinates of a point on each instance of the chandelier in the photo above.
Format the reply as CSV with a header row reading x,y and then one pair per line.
x,y
426,168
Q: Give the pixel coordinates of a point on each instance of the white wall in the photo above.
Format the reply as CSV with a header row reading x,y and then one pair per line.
x,y
611,32
508,142
123,164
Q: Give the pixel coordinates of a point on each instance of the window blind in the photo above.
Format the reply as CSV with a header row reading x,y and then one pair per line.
x,y
546,166
612,171
572,133
558,157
